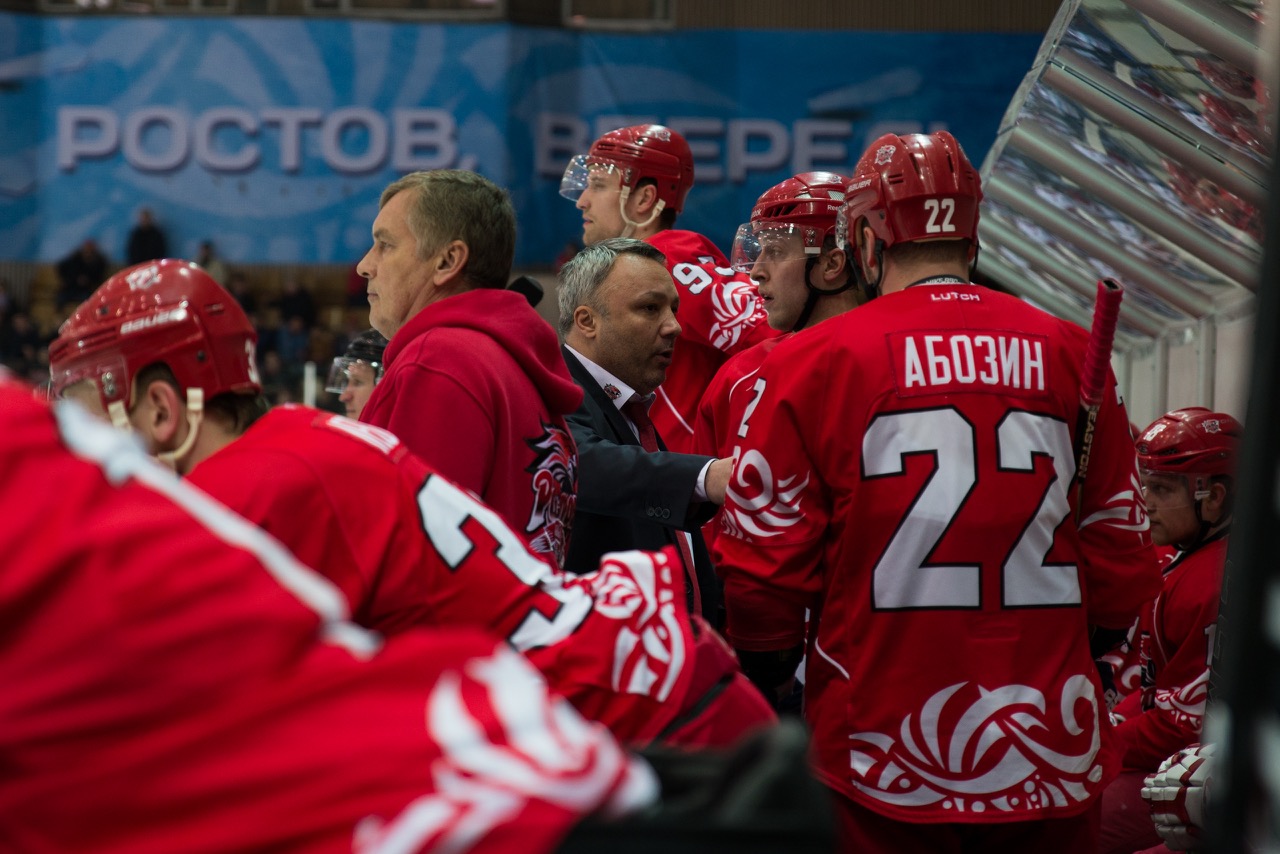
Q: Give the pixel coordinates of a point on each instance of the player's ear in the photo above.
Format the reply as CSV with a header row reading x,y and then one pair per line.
x,y
644,197
834,265
1215,505
866,256
162,412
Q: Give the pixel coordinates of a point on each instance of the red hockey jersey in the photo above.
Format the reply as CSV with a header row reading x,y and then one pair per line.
x,y
908,475
725,406
176,681
720,314
1174,644
409,548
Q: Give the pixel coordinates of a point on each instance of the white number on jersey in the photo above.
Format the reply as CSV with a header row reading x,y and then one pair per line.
x,y
445,508
758,388
901,578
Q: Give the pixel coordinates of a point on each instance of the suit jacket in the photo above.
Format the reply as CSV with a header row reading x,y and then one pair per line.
x,y
629,498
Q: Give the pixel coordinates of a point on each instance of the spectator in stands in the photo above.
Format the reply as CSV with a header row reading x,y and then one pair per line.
x,y
146,241
355,373
632,183
297,317
570,249
20,343
238,285
79,273
474,383
356,296
211,263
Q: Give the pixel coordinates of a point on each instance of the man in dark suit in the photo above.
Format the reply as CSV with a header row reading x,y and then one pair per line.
x,y
617,319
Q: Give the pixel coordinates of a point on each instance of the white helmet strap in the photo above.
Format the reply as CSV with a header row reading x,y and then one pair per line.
x,y
195,415
631,225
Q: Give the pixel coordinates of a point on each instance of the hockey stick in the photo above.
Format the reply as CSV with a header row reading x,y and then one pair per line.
x,y
1093,378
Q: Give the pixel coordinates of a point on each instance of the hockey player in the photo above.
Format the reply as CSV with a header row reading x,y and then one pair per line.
x,y
632,183
163,351
354,374
906,475
176,681
1187,461
790,252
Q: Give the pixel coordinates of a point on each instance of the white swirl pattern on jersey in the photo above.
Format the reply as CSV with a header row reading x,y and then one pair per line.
x,y
987,756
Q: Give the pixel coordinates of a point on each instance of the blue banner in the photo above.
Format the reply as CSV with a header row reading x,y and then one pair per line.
x,y
274,137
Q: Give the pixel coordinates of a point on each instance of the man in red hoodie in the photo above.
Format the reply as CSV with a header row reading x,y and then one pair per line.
x,y
475,384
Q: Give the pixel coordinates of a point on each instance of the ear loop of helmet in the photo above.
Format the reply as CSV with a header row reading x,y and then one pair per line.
x,y
814,293
195,415
1198,494
631,225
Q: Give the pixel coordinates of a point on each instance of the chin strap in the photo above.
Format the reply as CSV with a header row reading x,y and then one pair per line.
x,y
814,293
631,225
1207,530
195,415
119,416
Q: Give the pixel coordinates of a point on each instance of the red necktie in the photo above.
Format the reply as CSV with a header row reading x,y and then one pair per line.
x,y
639,415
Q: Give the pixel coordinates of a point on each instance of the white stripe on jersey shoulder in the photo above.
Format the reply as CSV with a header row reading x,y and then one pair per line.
x,y
121,457
675,412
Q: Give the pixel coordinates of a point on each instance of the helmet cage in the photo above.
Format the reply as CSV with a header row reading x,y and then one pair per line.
x,y
340,377
637,152
577,175
775,242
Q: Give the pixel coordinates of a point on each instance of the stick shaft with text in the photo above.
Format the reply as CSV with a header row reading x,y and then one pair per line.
x,y
1093,377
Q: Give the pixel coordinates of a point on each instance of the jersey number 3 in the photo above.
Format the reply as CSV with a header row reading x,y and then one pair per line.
x,y
902,578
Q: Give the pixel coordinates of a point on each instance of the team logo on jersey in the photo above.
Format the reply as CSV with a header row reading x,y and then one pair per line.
x,y
972,749
555,489
1186,703
736,308
501,750
758,504
1124,510
639,589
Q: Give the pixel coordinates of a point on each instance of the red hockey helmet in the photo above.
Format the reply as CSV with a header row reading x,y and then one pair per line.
x,y
167,311
1194,440
913,187
637,152
805,205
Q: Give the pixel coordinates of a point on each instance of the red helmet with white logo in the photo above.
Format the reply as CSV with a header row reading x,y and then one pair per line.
x,y
638,152
805,205
1194,440
913,187
167,311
